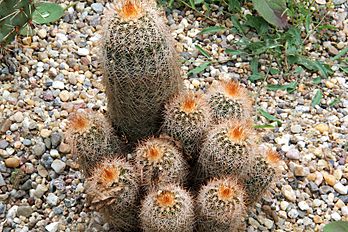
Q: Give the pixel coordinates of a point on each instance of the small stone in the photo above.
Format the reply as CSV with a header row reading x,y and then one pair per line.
x,y
58,166
289,193
45,133
80,6
268,223
293,213
52,199
97,7
42,171
340,188
54,153
319,178
293,154
56,139
12,162
317,202
18,117
330,179
53,227
335,216
39,149
2,181
317,219
344,210
303,205
42,33
64,95
322,127
82,51
24,211
301,171
58,85
3,144
40,190
64,148
284,205
296,129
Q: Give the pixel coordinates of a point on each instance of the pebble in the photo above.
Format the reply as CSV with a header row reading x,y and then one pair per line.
x,y
3,144
293,154
39,149
289,193
83,52
12,162
52,199
24,211
330,179
58,166
344,210
303,205
42,33
296,129
293,213
301,171
58,85
40,190
2,181
18,117
322,127
284,205
340,188
64,95
97,7
45,133
52,227
335,216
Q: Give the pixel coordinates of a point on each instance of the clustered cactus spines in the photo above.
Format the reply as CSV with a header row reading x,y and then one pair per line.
x,y
260,174
140,66
113,190
220,206
227,149
229,100
14,16
92,139
168,208
160,162
186,119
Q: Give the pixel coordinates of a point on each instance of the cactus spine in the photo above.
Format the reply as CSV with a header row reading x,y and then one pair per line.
x,y
260,174
92,138
227,149
14,16
168,209
140,69
113,190
160,162
187,117
229,100
220,206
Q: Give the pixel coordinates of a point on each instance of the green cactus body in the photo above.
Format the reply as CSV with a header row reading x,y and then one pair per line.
x,y
92,138
260,175
229,100
187,118
160,162
14,16
113,190
141,72
227,150
220,206
167,209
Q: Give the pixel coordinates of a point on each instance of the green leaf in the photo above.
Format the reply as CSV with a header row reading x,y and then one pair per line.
x,y
335,101
274,71
264,126
299,70
237,24
204,52
317,98
272,11
199,68
339,226
344,69
290,88
269,117
316,80
308,22
234,5
340,54
254,65
192,3
213,29
233,52
47,12
27,31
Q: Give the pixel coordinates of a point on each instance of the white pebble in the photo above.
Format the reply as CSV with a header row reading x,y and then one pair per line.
x,y
340,188
82,51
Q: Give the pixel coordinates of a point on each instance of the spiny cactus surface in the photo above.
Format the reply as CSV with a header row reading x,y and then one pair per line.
x,y
92,138
187,118
14,15
220,206
229,100
113,190
140,69
159,161
167,209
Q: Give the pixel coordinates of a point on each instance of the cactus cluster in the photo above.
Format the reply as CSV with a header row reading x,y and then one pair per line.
x,y
191,162
14,16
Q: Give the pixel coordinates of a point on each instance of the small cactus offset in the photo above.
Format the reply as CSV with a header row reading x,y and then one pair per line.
x,y
160,162
113,190
187,117
167,209
260,174
140,67
14,15
220,206
227,149
229,100
92,138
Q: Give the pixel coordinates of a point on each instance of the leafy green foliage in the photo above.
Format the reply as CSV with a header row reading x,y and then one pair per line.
x,y
317,98
47,12
339,226
272,11
269,117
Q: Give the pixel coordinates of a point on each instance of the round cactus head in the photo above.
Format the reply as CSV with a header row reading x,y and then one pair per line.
x,y
221,205
229,100
167,208
160,161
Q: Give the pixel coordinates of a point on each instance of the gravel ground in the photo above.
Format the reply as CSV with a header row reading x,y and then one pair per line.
x,y
56,72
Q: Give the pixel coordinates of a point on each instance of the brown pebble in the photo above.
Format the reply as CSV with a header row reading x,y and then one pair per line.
x,y
12,162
